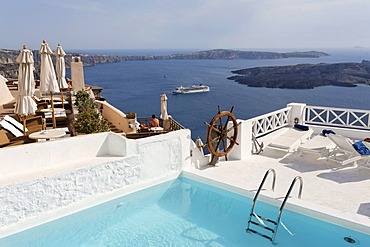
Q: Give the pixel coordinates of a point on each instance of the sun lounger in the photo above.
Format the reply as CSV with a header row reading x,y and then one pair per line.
x,y
14,122
319,144
290,139
344,152
11,128
7,140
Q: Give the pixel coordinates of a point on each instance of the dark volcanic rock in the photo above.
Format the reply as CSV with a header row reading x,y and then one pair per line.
x,y
232,54
9,67
304,76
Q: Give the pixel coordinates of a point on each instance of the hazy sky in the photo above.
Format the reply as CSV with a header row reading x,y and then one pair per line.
x,y
185,24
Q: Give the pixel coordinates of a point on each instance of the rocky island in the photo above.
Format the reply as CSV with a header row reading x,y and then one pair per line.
x,y
305,76
9,67
234,54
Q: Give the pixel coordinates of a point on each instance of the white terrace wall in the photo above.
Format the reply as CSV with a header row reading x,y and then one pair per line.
x,y
351,123
262,125
54,174
116,117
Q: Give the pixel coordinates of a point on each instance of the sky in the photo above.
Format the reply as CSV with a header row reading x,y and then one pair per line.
x,y
185,24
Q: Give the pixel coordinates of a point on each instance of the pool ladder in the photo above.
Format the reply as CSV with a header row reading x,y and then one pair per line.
x,y
269,225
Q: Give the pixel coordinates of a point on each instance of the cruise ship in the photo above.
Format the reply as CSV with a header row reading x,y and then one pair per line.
x,y
45,183
192,89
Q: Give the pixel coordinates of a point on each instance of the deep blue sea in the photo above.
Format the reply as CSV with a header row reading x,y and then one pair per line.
x,y
137,86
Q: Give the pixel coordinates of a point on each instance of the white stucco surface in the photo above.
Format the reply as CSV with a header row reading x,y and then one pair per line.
x,y
36,179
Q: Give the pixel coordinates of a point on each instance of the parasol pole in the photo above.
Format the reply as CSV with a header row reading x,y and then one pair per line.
x,y
24,124
62,97
52,110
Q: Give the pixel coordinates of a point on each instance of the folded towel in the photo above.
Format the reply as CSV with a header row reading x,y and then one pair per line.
x,y
361,148
301,127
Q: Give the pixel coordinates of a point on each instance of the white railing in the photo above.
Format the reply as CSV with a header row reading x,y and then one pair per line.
x,y
337,117
269,122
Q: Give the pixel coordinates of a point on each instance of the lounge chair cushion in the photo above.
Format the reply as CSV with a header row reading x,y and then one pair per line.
x,y
11,128
14,122
361,148
290,139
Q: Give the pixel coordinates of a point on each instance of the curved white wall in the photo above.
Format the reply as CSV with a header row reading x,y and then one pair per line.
x,y
40,177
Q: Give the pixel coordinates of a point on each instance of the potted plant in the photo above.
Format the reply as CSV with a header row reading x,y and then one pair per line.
x,y
89,120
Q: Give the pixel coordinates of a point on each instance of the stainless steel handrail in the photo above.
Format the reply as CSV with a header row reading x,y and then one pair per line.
x,y
259,190
285,200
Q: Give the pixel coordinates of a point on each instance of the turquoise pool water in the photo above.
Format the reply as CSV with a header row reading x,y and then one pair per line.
x,y
181,212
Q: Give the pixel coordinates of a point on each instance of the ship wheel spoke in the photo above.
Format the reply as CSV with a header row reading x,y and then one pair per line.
x,y
220,122
213,127
232,140
232,109
232,128
215,139
224,145
216,129
217,147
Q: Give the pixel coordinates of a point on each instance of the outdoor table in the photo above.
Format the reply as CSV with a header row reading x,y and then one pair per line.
x,y
55,110
156,129
47,134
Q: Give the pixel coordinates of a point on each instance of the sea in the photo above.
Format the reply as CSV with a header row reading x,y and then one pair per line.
x,y
136,86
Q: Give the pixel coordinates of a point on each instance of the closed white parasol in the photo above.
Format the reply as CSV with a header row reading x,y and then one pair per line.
x,y
60,67
25,105
164,114
48,81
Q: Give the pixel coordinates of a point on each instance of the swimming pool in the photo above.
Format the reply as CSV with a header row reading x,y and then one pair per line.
x,y
181,212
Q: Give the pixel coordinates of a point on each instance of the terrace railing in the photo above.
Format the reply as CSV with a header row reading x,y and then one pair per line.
x,y
337,117
175,125
269,122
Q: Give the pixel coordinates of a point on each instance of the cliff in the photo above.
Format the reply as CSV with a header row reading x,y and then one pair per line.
x,y
232,54
9,67
304,76
229,54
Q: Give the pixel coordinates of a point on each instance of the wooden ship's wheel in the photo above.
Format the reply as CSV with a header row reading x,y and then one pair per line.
x,y
221,135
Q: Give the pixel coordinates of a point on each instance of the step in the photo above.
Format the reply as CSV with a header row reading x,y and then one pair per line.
x,y
258,233
263,218
261,225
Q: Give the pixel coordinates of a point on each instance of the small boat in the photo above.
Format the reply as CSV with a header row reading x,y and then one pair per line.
x,y
192,89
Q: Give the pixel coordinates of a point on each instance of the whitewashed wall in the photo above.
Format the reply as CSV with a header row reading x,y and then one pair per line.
x,y
98,164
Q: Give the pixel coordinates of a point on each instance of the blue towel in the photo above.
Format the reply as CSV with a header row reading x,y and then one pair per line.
x,y
325,132
301,127
361,148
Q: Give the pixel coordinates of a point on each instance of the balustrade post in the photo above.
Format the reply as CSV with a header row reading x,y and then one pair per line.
x,y
244,138
297,112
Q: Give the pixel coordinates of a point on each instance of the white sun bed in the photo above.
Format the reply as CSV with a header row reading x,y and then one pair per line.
x,y
319,144
344,152
14,122
290,140
13,126
9,127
